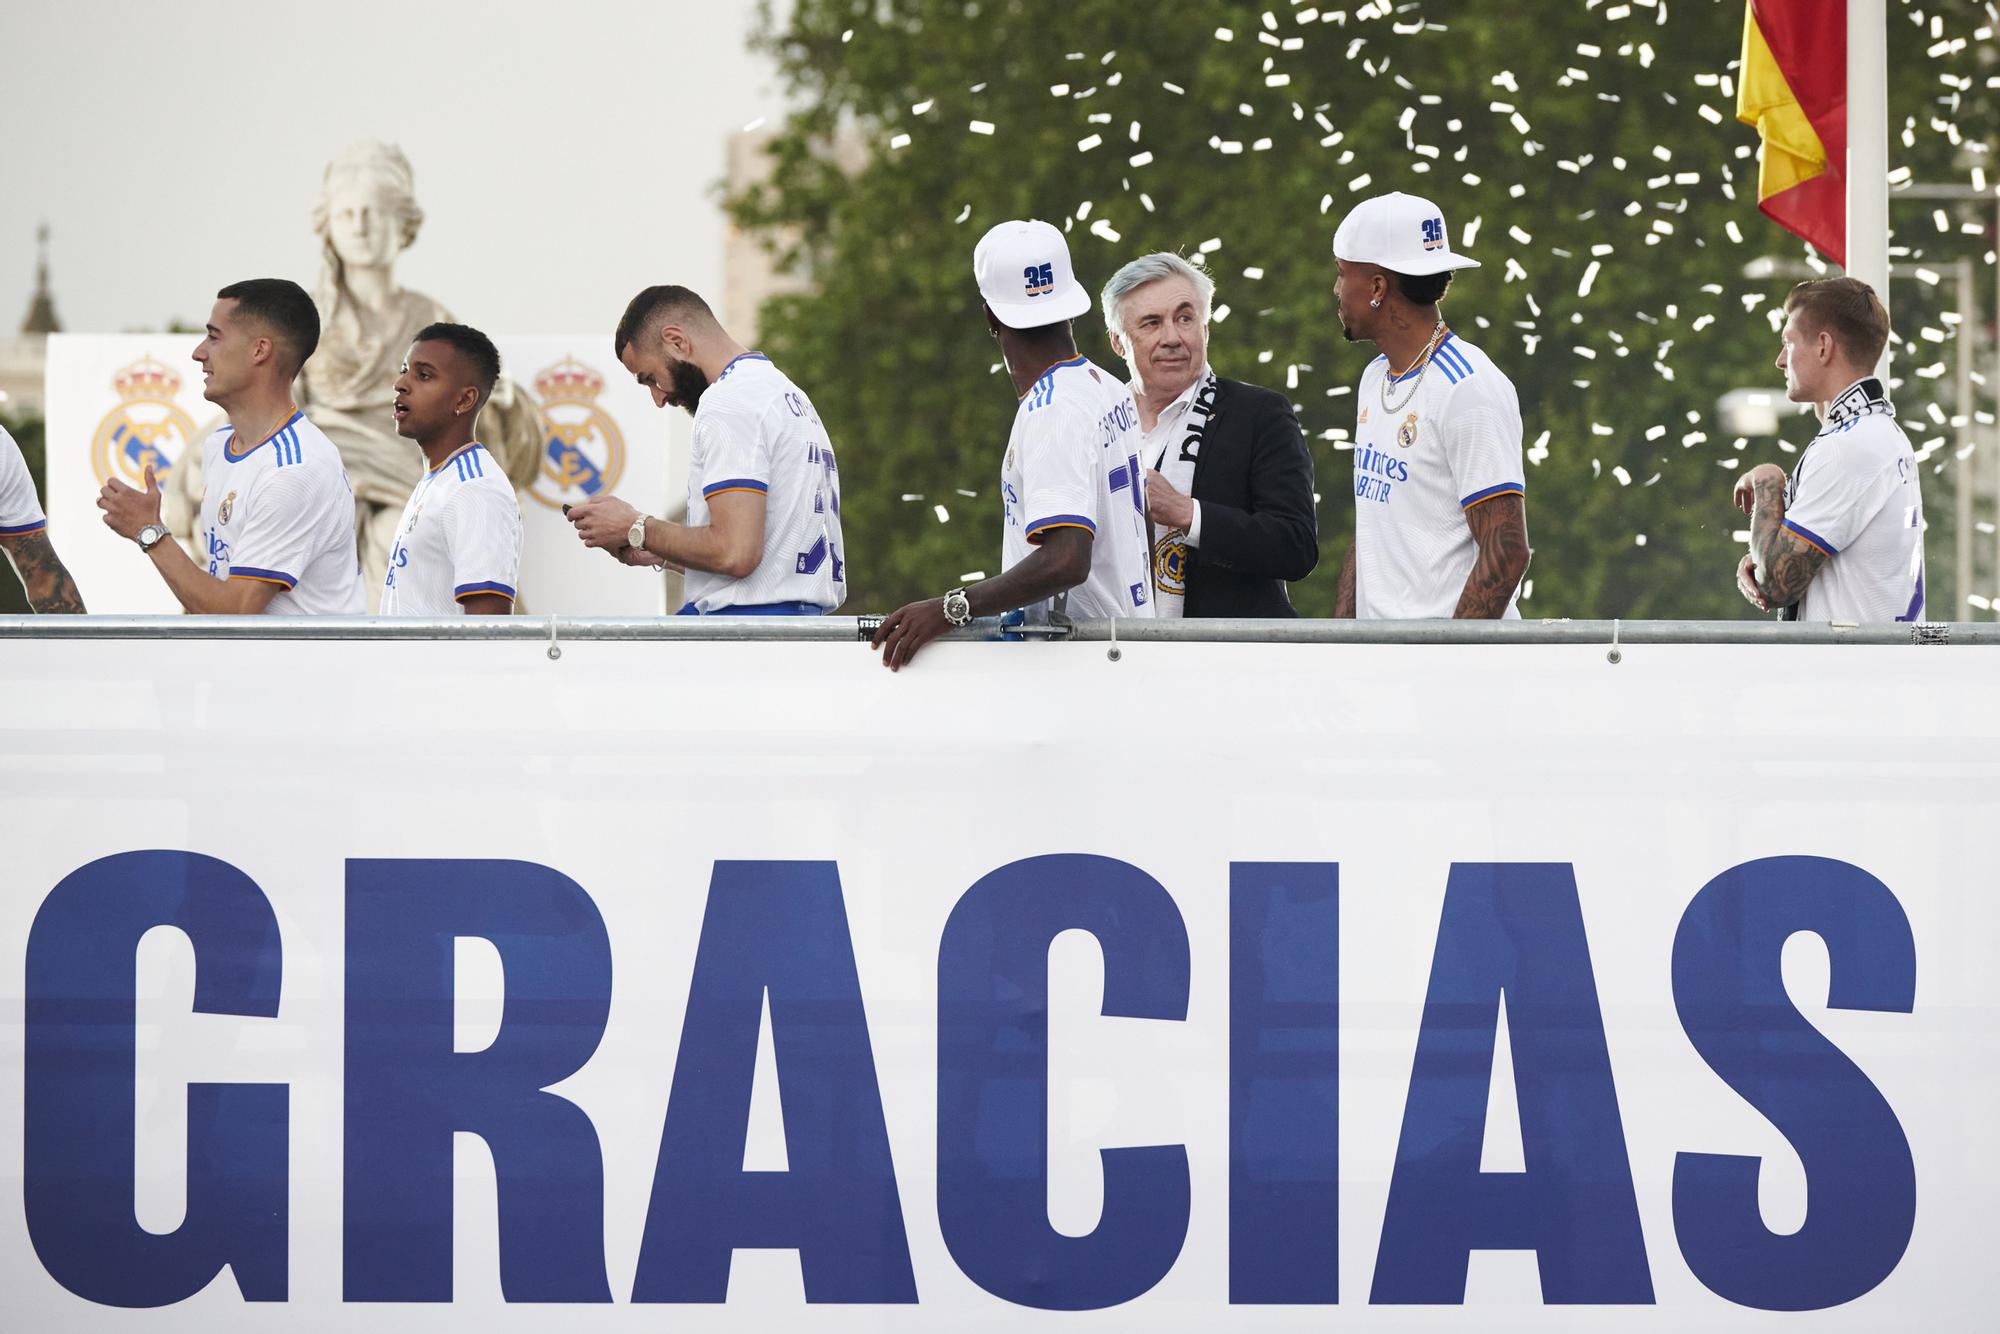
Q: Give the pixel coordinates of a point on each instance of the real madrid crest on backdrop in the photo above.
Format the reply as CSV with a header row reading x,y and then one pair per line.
x,y
147,429
583,451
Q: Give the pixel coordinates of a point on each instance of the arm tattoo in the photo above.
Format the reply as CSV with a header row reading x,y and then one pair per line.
x,y
1785,563
1500,528
1343,594
46,581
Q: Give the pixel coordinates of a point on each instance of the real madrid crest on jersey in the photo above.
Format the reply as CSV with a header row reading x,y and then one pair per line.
x,y
146,430
1406,434
583,453
225,509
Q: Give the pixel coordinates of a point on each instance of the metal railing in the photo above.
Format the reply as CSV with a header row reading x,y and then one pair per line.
x,y
807,629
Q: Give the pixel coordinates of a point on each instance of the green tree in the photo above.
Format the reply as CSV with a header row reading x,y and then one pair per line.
x,y
1589,151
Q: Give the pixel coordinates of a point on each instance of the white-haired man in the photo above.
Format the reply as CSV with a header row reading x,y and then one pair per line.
x,y
1229,486
1440,509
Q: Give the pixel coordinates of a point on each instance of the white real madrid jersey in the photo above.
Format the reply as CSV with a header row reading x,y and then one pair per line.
x,y
1855,495
754,430
460,536
282,511
1073,460
20,512
1441,447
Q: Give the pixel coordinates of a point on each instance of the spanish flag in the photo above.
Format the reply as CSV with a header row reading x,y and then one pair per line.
x,y
1793,89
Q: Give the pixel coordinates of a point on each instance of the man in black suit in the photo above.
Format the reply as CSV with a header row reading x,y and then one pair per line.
x,y
1230,485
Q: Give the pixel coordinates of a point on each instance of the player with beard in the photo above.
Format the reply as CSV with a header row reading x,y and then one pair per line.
x,y
762,536
1440,517
457,549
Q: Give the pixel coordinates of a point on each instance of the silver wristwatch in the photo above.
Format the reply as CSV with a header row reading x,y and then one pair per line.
x,y
150,536
637,535
958,607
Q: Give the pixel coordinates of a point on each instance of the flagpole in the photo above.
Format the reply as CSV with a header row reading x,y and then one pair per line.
x,y
1868,145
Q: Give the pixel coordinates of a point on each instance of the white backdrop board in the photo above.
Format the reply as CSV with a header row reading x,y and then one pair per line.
x,y
117,402
426,986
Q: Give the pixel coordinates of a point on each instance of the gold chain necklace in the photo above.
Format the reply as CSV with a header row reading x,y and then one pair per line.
x,y
1438,335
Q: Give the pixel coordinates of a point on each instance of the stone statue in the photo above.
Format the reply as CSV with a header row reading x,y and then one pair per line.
x,y
366,217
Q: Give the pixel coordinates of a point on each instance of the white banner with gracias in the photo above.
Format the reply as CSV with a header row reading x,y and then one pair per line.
x,y
119,403
419,986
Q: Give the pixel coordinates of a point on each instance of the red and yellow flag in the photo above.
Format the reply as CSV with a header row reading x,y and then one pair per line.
x,y
1793,89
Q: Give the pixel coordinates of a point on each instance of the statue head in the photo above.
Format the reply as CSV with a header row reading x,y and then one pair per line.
x,y
367,212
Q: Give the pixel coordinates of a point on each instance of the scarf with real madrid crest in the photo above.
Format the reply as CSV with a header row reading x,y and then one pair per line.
x,y
1173,447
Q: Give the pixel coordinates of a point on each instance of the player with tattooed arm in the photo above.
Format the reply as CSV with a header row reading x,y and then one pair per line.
x,y
24,536
1843,538
1440,517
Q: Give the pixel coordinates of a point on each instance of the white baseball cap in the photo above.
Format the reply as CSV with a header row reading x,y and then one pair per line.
x,y
1024,273
1402,233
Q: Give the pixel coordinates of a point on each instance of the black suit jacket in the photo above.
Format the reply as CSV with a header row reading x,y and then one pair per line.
x,y
1254,479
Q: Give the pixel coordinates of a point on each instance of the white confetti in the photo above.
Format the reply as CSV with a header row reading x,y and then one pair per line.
x,y
1589,277
1360,182
971,576
1089,142
1253,273
943,514
899,141
1140,159
981,127
1103,229
1224,35
1210,246
920,108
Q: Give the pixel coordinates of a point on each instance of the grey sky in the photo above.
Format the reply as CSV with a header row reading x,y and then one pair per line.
x,y
566,154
